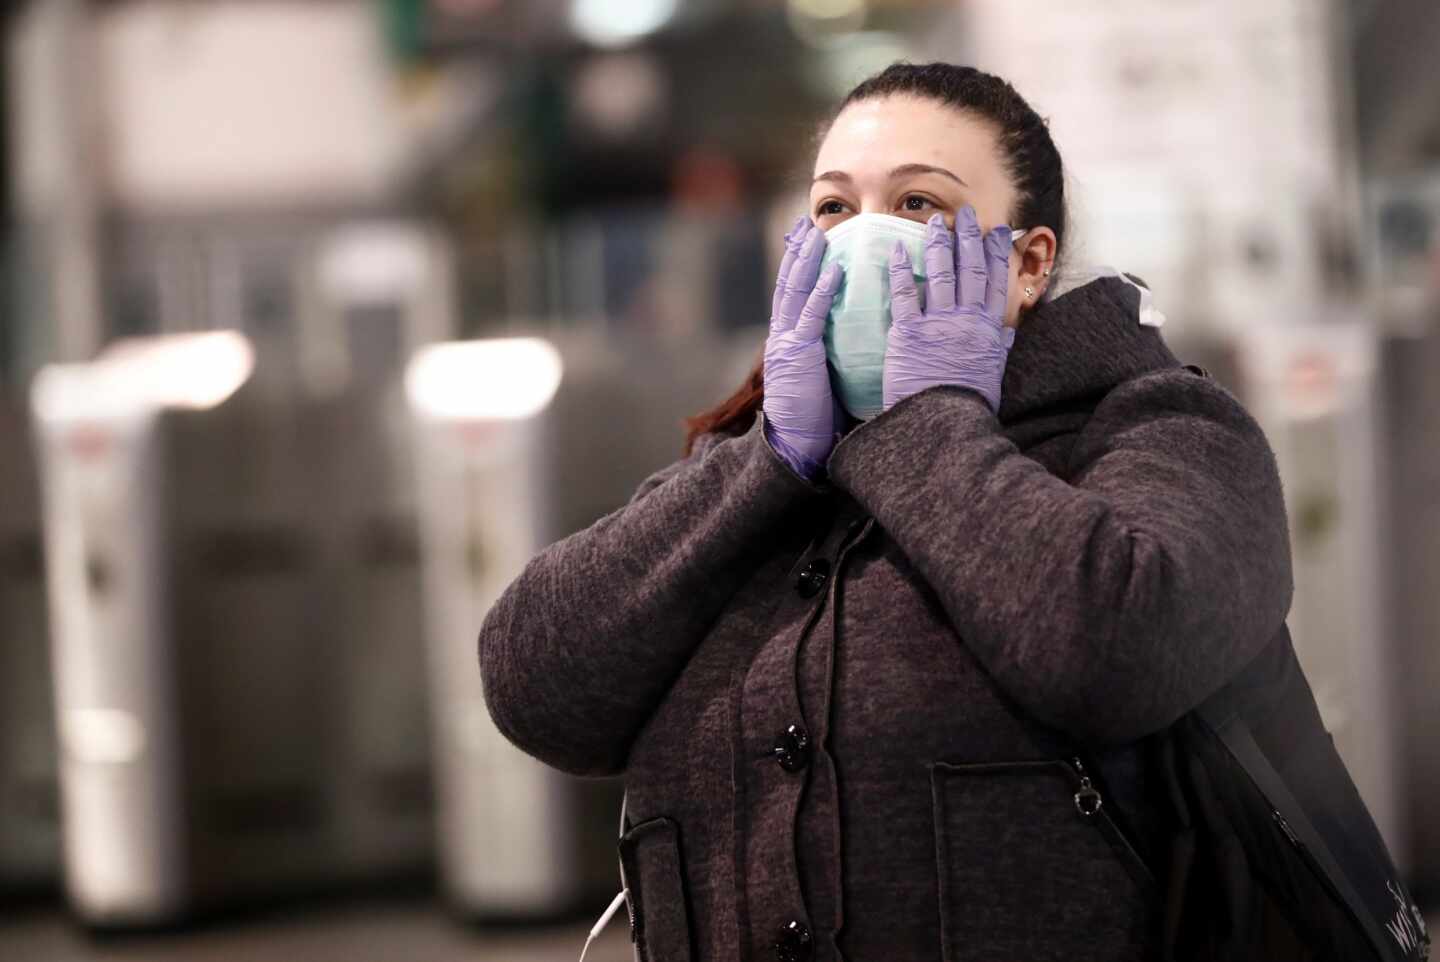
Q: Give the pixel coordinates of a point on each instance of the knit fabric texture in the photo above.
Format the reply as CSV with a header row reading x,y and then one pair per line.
x,y
849,703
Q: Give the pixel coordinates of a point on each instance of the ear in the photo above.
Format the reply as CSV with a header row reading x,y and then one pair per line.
x,y
1037,257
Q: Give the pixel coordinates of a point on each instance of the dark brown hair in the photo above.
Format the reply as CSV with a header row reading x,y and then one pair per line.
x,y
1029,156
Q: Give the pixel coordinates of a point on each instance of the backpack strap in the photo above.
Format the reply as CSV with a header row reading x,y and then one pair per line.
x,y
1235,735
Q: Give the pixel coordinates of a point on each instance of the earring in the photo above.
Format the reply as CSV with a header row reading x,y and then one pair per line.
x,y
1029,292
1047,272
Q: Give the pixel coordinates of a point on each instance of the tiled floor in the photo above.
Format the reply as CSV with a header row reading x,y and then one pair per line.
x,y
415,931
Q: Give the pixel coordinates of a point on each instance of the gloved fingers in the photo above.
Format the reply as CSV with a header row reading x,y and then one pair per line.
x,y
801,280
793,240
970,262
817,306
904,298
997,257
939,265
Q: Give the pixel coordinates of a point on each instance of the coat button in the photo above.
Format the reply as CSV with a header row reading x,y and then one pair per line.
x,y
794,943
813,578
792,749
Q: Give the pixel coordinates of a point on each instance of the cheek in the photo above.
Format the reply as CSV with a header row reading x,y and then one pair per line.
x,y
1013,274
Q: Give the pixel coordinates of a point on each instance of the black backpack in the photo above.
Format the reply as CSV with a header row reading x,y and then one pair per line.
x,y
1274,855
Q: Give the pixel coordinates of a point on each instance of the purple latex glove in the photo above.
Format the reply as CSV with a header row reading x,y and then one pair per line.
x,y
960,337
801,413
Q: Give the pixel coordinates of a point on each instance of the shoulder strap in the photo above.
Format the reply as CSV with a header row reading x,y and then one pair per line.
x,y
1235,735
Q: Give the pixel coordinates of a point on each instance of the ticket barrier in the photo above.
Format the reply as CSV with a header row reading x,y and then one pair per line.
x,y
229,597
521,441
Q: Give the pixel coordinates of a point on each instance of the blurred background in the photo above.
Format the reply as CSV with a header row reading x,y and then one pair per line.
x,y
320,317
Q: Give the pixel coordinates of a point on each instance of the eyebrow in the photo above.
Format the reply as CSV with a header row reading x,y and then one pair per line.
x,y
901,171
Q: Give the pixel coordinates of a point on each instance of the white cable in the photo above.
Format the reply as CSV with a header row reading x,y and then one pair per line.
x,y
599,927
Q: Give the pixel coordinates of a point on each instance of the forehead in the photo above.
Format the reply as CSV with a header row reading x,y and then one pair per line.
x,y
871,137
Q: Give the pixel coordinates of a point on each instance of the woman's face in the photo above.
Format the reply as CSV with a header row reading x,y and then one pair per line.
x,y
910,157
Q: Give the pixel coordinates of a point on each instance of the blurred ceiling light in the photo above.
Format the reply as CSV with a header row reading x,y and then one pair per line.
x,y
618,95
617,23
848,59
507,378
816,20
194,371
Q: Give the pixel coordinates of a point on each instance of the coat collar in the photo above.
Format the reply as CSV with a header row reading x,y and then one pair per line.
x,y
1073,348
1078,346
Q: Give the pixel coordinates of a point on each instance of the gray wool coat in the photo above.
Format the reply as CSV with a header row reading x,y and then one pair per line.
x,y
901,713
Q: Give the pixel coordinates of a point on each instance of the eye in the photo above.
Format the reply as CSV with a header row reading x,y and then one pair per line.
x,y
830,212
917,202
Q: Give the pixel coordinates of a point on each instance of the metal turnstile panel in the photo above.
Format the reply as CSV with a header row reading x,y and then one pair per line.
x,y
29,815
501,477
380,785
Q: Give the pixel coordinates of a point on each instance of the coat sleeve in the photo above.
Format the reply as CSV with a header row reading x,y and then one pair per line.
x,y
1110,604
579,649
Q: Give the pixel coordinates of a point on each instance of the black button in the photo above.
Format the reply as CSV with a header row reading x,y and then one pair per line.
x,y
794,943
792,749
812,579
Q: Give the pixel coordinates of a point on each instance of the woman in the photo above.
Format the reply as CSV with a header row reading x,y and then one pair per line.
x,y
879,657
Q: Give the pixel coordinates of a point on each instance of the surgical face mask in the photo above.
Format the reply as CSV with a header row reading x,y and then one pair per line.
x,y
859,320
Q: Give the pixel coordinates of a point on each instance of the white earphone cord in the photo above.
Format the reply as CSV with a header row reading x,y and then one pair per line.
x,y
599,926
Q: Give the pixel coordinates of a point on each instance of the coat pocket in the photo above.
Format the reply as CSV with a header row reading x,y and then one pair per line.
x,y
654,877
1032,867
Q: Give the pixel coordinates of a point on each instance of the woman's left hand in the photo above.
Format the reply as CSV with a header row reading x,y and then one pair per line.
x,y
960,337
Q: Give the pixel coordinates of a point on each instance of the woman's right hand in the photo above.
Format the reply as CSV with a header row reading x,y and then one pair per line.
x,y
801,413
